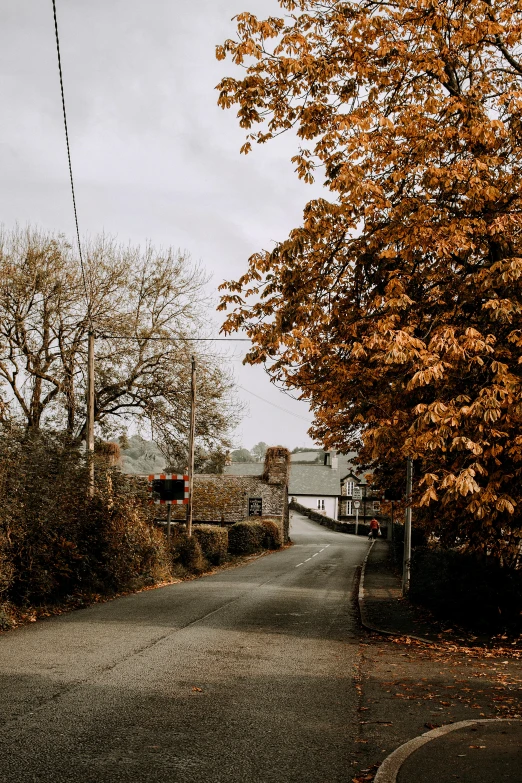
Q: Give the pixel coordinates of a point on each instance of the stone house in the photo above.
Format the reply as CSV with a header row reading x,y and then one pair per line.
x,y
230,497
355,488
325,482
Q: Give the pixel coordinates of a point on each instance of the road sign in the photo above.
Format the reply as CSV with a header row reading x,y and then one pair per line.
x,y
171,489
357,493
357,504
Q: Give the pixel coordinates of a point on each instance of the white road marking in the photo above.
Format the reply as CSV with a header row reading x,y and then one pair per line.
x,y
309,558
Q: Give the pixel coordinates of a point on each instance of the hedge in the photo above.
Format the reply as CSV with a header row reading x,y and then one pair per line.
x,y
475,593
246,537
186,551
273,536
213,541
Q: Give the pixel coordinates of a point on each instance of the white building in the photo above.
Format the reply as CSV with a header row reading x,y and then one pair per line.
x,y
318,486
318,480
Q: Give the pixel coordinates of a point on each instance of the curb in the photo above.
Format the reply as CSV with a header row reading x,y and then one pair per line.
x,y
362,608
391,765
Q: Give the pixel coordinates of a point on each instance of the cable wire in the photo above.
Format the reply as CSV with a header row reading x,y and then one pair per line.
x,y
273,404
69,160
102,336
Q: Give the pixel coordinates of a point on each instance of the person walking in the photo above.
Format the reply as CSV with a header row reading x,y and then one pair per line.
x,y
375,529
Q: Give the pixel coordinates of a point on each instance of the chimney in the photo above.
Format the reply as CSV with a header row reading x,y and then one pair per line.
x,y
331,460
277,463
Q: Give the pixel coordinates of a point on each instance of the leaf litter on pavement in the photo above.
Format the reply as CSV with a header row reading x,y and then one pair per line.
x,y
407,687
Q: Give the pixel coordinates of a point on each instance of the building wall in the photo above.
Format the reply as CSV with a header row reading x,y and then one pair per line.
x,y
310,501
219,498
224,499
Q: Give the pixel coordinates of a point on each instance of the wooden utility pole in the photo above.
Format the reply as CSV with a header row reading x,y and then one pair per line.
x,y
191,445
90,412
406,562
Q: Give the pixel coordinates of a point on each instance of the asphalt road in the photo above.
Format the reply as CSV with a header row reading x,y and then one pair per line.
x,y
246,675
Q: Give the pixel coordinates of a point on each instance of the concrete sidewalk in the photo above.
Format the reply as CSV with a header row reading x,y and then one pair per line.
x,y
471,751
380,599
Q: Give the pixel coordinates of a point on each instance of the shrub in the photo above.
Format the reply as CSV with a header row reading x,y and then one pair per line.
x,y
61,541
186,551
119,549
6,568
461,588
273,537
246,537
213,541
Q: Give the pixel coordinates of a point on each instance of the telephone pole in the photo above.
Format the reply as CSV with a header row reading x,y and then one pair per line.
x,y
90,412
191,445
406,562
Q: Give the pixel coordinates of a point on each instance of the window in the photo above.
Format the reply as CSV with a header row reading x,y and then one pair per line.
x,y
320,504
348,508
349,487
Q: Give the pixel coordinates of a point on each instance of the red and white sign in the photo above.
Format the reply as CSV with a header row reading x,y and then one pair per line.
x,y
170,489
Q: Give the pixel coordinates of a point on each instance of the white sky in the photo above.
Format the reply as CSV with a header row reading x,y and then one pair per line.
x,y
153,156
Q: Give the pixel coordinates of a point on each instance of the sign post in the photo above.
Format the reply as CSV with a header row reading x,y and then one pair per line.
x,y
406,563
169,489
169,519
356,505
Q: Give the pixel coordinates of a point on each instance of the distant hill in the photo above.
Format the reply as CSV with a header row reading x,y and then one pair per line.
x,y
141,456
312,455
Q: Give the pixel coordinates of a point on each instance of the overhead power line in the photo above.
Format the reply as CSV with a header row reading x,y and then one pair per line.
x,y
69,160
175,339
274,405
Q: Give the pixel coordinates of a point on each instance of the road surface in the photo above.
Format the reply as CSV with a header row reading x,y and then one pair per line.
x,y
245,675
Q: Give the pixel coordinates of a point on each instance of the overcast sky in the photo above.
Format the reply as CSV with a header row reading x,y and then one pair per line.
x,y
154,158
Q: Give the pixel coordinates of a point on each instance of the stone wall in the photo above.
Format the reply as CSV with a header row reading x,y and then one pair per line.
x,y
219,498
223,499
333,524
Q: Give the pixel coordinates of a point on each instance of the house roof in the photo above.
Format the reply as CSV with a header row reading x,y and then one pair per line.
x,y
244,469
307,456
306,479
314,480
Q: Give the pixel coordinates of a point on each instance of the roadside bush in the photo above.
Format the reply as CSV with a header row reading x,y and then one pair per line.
x,y
186,551
475,593
273,537
419,539
213,541
61,542
120,549
6,568
246,537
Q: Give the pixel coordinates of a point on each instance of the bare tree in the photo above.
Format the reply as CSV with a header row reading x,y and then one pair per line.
x,y
146,306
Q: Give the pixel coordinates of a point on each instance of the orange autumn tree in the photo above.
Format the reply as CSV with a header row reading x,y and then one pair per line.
x,y
395,307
